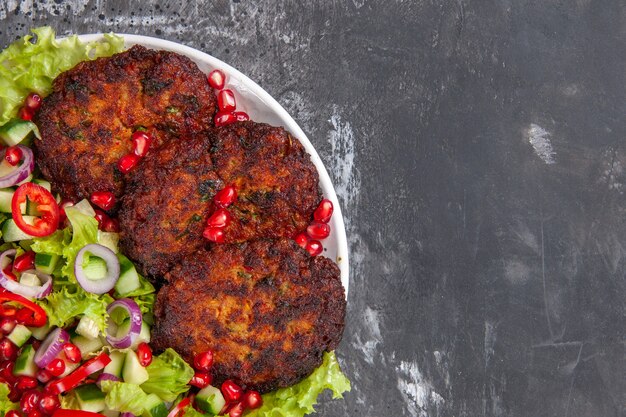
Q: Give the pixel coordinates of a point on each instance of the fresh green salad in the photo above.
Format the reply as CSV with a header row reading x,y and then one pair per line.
x,y
75,315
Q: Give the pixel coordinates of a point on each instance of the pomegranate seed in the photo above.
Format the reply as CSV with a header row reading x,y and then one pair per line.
x,y
217,79
36,343
62,206
43,376
324,211
56,367
102,218
226,196
30,400
314,247
7,325
318,230
12,413
214,234
6,370
127,163
13,155
111,225
241,116
221,218
203,361
224,118
226,101
252,399
72,352
35,413
201,379
23,315
24,262
33,102
236,410
26,382
144,353
302,239
49,403
141,143
26,114
103,199
232,392
8,351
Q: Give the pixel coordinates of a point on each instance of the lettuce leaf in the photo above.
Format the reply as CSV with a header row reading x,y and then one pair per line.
x,y
31,63
5,403
124,397
84,232
298,400
53,244
169,376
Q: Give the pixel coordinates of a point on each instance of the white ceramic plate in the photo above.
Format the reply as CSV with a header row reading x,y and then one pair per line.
x,y
262,108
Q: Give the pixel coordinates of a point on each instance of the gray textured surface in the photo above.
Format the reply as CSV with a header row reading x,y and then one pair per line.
x,y
479,151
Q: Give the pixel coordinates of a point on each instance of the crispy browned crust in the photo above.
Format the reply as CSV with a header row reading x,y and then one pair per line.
x,y
277,184
166,203
266,309
87,121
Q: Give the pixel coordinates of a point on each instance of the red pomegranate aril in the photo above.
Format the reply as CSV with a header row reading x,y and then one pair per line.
x,y
217,79
12,413
6,370
72,352
33,102
201,380
13,155
252,399
241,116
141,143
26,114
35,413
24,262
236,410
224,118
214,234
26,382
232,392
127,163
43,376
324,211
111,225
314,247
56,367
102,218
7,325
225,197
49,403
302,239
29,400
62,206
23,315
144,353
8,351
221,218
226,101
318,230
103,199
203,361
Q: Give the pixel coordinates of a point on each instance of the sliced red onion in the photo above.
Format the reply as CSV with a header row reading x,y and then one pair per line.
x,y
51,346
20,172
106,377
134,313
105,284
15,287
127,415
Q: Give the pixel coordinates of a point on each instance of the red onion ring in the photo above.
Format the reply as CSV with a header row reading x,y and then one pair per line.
x,y
20,173
51,346
21,289
106,377
99,286
136,318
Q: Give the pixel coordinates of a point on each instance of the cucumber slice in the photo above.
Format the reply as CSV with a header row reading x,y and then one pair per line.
x,y
94,268
12,233
87,345
69,365
210,399
129,278
90,398
144,334
117,363
154,407
109,239
45,184
87,328
110,413
18,131
132,371
20,335
6,196
40,333
30,279
25,363
45,262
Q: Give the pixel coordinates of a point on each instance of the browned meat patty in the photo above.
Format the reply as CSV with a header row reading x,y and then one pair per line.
x,y
87,121
167,200
276,182
266,309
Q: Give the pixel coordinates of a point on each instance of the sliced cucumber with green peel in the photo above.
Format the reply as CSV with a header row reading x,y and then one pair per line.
x,y
45,262
40,333
90,398
6,197
210,399
154,407
87,345
87,328
94,267
45,184
18,131
144,333
29,279
132,371
129,278
25,363
109,239
20,335
12,233
117,363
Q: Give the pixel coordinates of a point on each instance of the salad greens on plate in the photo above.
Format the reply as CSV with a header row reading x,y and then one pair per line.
x,y
69,337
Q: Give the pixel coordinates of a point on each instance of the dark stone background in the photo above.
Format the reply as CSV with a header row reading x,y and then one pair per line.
x,y
478,150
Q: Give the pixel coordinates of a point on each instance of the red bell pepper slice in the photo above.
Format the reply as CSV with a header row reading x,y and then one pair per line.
x,y
179,407
79,375
75,413
48,221
37,316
